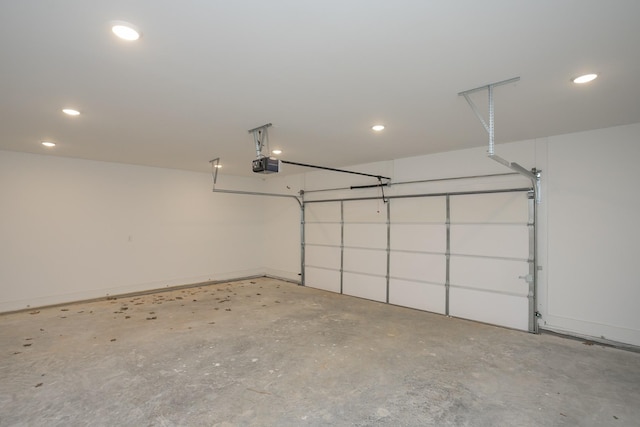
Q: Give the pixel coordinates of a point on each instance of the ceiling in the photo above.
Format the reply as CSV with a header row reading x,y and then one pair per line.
x,y
205,72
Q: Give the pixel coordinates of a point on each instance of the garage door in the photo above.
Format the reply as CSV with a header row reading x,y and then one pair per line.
x,y
464,255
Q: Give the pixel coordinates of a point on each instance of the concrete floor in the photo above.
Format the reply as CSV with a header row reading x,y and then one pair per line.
x,y
269,353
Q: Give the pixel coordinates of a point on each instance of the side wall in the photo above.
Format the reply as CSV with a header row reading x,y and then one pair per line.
x,y
75,229
282,233
593,239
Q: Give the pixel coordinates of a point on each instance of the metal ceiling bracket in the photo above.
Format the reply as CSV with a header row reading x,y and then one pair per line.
x,y
261,139
215,165
534,175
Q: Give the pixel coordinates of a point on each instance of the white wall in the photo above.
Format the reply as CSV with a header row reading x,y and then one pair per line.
x,y
282,234
75,229
593,240
588,229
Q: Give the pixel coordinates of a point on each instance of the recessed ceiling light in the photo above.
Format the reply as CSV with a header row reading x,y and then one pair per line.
x,y
71,112
377,128
48,144
276,152
125,31
586,78
217,166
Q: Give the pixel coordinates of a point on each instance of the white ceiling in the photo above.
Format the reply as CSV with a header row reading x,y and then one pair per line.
x,y
322,72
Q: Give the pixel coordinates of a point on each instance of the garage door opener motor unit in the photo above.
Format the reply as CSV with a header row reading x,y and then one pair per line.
x,y
262,163
266,165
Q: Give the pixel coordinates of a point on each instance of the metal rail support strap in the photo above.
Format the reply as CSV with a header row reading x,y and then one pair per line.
x,y
534,176
261,139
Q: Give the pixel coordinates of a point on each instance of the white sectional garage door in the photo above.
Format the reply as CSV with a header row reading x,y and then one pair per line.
x,y
464,255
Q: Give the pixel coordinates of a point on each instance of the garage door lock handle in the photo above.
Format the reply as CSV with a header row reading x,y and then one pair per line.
x,y
528,278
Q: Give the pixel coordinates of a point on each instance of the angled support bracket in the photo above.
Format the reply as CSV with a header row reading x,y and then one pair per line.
x,y
533,175
215,165
261,139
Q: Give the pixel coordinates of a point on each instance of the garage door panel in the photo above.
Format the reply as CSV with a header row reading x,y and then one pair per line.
x,y
365,261
365,211
509,241
490,208
419,237
422,209
421,296
416,266
498,309
366,235
323,256
322,212
490,274
364,286
323,234
328,280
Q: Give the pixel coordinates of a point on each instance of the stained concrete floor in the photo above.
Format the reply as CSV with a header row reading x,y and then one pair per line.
x,y
269,353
